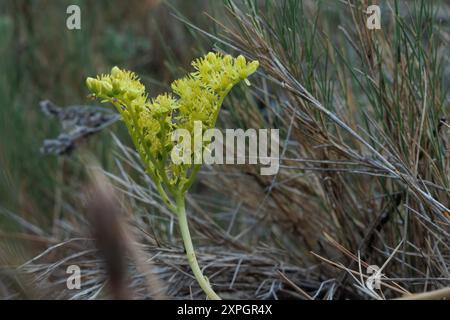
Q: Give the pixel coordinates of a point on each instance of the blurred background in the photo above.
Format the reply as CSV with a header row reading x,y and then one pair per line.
x,y
364,174
41,59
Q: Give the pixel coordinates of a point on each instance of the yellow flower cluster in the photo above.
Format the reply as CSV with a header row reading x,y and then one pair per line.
x,y
202,92
151,121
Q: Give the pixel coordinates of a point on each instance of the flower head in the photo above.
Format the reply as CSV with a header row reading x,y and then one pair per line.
x,y
196,97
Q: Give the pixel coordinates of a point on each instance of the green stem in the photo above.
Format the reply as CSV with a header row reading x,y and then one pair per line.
x,y
164,196
190,253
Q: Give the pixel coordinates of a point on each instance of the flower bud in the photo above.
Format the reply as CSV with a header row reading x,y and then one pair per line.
x,y
240,61
116,87
93,85
107,88
132,94
116,72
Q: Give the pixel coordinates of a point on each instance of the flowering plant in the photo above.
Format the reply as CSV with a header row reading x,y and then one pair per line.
x,y
152,123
